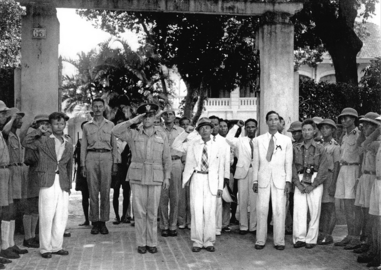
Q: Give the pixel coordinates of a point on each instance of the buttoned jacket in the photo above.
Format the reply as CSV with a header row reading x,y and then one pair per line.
x,y
279,169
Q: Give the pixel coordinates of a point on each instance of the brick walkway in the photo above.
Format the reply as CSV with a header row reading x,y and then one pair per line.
x,y
233,251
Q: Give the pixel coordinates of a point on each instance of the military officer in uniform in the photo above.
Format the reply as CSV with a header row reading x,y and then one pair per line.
x,y
149,172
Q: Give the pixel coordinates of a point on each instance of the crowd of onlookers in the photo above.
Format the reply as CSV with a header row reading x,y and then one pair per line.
x,y
204,178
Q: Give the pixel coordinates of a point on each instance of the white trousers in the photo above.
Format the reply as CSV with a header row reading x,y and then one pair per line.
x,y
247,199
278,201
203,211
53,211
303,203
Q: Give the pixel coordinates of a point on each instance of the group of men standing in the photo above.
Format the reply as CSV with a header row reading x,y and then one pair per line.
x,y
188,177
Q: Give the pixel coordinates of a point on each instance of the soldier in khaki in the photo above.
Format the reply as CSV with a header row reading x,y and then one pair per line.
x,y
349,172
99,159
328,213
149,172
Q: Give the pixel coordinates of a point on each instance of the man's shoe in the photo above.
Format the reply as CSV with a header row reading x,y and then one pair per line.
x,y
259,246
218,233
196,249
152,249
355,243
30,243
9,254
364,248
95,229
365,258
280,247
343,242
126,220
309,246
242,232
226,229
4,261
210,249
67,234
103,229
325,241
172,233
299,244
164,233
234,221
132,223
116,221
17,250
142,250
46,255
61,252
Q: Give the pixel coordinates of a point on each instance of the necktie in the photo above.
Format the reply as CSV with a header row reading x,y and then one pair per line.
x,y
252,148
204,159
270,150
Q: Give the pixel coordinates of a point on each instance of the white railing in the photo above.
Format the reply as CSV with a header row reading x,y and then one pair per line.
x,y
248,102
223,103
218,102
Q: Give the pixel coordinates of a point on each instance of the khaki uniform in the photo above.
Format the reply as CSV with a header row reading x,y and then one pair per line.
x,y
333,156
98,153
16,166
150,164
4,172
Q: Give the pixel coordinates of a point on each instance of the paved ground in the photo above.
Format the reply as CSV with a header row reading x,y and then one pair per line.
x,y
233,251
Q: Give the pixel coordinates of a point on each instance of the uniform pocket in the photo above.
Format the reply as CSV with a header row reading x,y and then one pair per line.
x,y
106,135
135,172
158,148
158,173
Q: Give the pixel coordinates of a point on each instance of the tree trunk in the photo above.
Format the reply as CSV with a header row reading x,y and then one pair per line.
x,y
200,104
336,30
189,101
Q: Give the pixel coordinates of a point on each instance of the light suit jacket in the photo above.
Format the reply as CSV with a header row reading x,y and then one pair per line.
x,y
279,169
193,149
244,152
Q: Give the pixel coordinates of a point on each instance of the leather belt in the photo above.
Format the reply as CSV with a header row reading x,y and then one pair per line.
x,y
369,172
15,164
98,150
349,164
175,157
200,172
4,167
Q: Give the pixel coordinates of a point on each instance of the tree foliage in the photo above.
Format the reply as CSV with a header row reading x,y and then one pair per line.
x,y
10,33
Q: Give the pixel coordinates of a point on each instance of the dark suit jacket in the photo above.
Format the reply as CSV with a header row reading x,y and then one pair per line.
x,y
47,162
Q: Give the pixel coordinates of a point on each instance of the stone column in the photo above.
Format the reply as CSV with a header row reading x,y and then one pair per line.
x,y
39,61
275,42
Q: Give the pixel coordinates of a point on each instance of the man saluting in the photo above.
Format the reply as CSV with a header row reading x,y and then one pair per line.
x,y
148,173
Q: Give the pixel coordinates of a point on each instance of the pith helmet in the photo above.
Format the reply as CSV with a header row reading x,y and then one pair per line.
x,y
370,117
295,126
327,122
317,120
348,112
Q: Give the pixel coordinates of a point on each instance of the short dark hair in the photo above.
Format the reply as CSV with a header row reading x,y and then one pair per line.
x,y
225,120
214,117
281,118
271,112
58,116
183,119
98,100
309,122
251,120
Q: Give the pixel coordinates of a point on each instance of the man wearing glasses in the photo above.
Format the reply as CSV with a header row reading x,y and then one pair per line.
x,y
149,172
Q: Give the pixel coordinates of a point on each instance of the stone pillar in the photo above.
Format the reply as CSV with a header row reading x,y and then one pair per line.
x,y
39,61
275,42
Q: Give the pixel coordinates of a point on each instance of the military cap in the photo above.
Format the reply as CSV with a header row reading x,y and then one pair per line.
x,y
41,117
147,108
371,118
327,122
13,111
295,126
349,112
317,120
204,122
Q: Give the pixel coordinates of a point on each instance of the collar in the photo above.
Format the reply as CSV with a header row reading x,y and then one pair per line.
x,y
353,132
269,135
55,138
95,123
312,144
141,131
174,127
207,143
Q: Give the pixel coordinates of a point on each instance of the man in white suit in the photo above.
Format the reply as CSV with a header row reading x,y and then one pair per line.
x,y
272,179
244,174
204,170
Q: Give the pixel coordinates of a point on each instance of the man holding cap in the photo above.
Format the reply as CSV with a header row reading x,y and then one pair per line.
x,y
328,212
30,218
349,172
149,172
16,167
204,169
